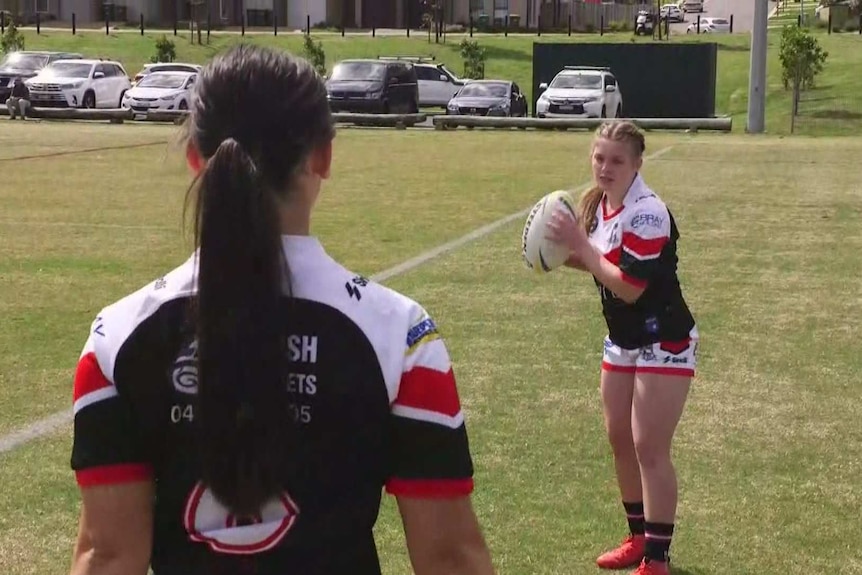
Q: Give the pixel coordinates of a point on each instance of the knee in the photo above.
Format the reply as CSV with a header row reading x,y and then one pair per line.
x,y
651,453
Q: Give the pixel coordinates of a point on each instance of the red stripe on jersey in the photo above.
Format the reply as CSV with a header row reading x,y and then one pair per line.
x,y
88,377
429,389
613,256
430,488
113,474
638,283
643,247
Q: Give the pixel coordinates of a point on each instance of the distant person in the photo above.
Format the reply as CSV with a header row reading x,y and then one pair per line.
x,y
626,237
243,413
19,101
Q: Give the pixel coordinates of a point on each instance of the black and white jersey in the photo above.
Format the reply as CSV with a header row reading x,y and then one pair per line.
x,y
640,237
372,390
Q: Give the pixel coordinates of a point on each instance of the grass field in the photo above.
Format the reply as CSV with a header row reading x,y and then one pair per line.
x,y
769,451
833,108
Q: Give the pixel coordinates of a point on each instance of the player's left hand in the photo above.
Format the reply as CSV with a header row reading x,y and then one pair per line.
x,y
565,230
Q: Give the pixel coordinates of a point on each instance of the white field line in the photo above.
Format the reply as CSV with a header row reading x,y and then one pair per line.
x,y
48,424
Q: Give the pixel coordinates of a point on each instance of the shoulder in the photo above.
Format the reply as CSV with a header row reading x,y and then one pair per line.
x,y
647,214
116,323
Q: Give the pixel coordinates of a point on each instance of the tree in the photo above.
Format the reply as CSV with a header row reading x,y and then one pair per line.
x,y
313,52
474,59
12,40
801,56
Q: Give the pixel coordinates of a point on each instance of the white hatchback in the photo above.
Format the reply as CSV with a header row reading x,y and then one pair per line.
x,y
710,26
161,91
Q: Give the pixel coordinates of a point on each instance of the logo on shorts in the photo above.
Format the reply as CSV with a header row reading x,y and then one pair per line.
x,y
647,354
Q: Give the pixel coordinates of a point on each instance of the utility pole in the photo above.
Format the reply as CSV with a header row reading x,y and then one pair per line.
x,y
757,72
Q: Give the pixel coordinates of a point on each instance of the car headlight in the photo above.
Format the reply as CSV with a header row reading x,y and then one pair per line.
x,y
169,97
71,85
373,95
451,106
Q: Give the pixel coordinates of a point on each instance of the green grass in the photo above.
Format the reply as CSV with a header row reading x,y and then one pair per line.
x,y
836,112
769,449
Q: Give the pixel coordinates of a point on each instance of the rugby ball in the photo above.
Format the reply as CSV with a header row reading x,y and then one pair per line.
x,y
540,254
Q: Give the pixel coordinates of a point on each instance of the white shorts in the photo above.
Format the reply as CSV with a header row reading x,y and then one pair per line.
x,y
666,358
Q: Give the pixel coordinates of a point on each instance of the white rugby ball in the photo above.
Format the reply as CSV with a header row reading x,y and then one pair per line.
x,y
540,254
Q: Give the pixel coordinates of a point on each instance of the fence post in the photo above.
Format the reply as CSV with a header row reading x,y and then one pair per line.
x,y
698,23
142,23
471,25
602,24
539,22
570,23
308,24
73,23
3,21
107,22
176,18
274,20
731,23
38,23
829,25
209,23
506,27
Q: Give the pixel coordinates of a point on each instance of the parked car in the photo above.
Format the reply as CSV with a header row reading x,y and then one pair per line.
x,y
581,92
373,86
710,26
166,67
79,84
489,98
26,64
437,84
672,13
161,91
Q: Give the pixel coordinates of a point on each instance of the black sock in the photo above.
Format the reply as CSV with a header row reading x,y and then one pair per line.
x,y
658,537
635,516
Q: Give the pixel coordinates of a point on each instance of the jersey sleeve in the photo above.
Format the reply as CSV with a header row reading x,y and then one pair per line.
x,y
645,235
106,448
430,450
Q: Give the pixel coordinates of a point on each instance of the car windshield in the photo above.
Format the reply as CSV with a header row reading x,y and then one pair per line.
x,y
24,61
577,81
69,70
358,71
156,80
485,90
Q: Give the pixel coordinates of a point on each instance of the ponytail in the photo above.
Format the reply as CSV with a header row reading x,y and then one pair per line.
x,y
241,414
587,207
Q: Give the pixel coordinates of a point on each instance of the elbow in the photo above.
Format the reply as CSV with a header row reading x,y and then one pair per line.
x,y
97,561
470,557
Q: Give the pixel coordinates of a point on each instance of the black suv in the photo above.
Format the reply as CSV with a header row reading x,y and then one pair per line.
x,y
373,86
26,64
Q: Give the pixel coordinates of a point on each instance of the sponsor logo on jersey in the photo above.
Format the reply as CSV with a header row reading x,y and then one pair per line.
x,y
185,372
650,220
422,332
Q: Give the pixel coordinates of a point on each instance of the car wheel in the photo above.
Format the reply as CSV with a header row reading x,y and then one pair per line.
x,y
89,100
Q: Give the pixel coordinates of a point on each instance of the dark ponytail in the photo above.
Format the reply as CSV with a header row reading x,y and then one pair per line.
x,y
256,115
241,407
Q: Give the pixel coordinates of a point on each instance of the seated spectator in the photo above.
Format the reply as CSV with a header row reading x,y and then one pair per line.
x,y
19,101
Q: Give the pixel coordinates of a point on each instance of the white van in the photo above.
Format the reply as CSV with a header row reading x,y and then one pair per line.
x,y
692,6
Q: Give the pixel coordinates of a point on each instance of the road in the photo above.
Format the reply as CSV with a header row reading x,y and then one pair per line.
x,y
742,10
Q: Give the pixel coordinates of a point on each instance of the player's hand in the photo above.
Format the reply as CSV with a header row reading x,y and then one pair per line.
x,y
564,229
